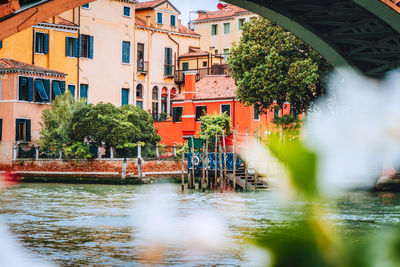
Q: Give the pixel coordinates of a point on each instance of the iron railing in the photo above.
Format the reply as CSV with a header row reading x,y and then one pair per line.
x,y
142,66
179,76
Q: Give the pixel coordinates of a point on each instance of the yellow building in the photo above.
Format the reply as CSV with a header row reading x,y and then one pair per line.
x,y
220,29
160,39
45,45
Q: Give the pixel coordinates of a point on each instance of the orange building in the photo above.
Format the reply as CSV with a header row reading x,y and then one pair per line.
x,y
212,94
25,91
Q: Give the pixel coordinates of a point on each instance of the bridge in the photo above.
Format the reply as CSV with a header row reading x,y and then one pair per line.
x,y
361,34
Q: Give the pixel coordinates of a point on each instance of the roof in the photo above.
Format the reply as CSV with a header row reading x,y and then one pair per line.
x,y
227,11
59,22
13,66
185,30
195,52
148,4
213,87
64,22
140,22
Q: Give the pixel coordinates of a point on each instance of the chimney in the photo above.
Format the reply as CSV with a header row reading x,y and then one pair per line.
x,y
211,50
188,114
179,22
148,18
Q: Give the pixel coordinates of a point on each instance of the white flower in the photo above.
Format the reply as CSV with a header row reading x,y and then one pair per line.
x,y
356,129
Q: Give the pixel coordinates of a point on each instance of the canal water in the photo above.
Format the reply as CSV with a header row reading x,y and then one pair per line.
x,y
70,224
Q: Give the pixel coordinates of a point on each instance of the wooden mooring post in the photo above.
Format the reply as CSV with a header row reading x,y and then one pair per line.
x,y
215,161
221,174
245,163
201,182
225,177
183,167
235,132
192,182
207,180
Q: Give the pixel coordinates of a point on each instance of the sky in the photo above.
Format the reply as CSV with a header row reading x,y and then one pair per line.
x,y
184,6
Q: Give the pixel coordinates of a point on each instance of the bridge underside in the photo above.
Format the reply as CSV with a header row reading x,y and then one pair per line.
x,y
362,34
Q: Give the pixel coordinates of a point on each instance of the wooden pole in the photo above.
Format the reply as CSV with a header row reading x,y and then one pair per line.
x,y
245,164
207,180
225,177
234,157
215,160
221,174
201,182
192,183
183,167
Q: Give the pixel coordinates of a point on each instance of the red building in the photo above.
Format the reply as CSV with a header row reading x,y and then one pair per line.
x,y
212,94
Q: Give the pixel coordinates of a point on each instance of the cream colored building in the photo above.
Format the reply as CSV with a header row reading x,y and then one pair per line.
x,y
219,30
128,52
160,39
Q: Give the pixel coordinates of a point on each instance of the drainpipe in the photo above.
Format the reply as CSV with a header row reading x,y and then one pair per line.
x,y
233,112
177,44
149,89
78,91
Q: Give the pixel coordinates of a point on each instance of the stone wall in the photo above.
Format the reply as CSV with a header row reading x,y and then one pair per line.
x,y
93,168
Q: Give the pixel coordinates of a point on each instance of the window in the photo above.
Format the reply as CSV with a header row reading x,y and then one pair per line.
x,y
185,66
173,20
216,52
139,95
227,109
205,64
127,11
86,46
71,47
42,90
200,111
214,29
23,130
177,114
227,28
159,18
154,98
276,112
86,6
168,61
226,54
124,97
58,88
1,44
256,112
294,112
240,24
1,128
25,89
41,43
71,89
140,57
83,91
126,52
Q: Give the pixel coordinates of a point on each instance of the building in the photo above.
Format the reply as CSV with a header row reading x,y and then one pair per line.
x,y
212,94
25,91
219,30
34,68
160,39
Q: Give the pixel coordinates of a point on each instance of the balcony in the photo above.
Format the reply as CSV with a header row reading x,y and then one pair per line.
x,y
142,66
223,69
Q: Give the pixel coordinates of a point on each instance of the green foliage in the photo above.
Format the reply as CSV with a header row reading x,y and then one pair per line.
x,y
121,127
214,124
270,64
55,125
78,150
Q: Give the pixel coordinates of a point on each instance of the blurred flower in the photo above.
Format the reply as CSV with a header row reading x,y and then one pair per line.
x,y
356,128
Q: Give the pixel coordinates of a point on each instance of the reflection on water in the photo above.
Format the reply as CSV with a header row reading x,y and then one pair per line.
x,y
93,224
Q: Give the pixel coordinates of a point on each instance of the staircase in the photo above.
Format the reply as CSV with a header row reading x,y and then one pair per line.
x,y
252,184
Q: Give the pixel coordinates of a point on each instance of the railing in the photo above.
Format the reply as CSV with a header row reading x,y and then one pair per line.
x,y
142,66
159,116
179,76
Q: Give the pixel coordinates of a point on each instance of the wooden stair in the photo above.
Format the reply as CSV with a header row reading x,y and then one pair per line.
x,y
251,181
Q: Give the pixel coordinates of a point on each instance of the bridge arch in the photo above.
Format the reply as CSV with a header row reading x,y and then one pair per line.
x,y
361,34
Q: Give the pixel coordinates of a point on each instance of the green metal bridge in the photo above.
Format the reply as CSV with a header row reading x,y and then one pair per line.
x,y
361,34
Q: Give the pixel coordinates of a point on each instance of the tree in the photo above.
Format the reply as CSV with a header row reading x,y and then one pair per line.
x,y
270,64
55,125
214,124
120,127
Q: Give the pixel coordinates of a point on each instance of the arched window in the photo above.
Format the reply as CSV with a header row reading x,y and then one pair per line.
x,y
172,94
154,97
139,95
164,98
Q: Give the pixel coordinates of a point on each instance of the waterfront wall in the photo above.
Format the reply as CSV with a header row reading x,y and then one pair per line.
x,y
93,168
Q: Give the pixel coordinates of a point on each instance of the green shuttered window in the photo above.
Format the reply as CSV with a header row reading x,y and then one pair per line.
x,y
124,97
86,44
159,18
200,111
256,112
227,28
41,43
42,90
22,130
227,109
83,91
126,52
71,47
25,92
173,20
177,114
1,129
168,61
